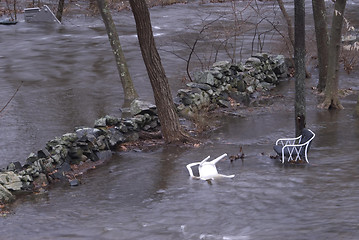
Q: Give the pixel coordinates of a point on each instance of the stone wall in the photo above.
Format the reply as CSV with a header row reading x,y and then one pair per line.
x,y
226,82
55,160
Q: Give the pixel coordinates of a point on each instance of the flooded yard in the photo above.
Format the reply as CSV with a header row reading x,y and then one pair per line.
x,y
70,79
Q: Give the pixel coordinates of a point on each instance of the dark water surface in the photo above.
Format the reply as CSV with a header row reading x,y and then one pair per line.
x,y
69,79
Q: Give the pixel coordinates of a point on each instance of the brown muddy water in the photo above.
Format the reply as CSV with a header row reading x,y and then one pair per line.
x,y
69,79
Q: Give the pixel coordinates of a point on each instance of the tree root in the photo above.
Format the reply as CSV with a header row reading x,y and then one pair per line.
x,y
330,103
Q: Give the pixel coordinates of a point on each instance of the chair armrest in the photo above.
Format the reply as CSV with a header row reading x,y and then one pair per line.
x,y
285,141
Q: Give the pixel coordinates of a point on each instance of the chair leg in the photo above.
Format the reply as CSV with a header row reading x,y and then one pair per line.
x,y
190,169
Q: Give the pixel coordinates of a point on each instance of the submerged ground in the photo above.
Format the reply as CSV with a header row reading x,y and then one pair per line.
x,y
70,80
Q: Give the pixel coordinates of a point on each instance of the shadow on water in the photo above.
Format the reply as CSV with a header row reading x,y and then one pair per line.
x,y
70,80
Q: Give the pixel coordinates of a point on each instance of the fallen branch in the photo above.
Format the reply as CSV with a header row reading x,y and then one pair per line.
x,y
12,97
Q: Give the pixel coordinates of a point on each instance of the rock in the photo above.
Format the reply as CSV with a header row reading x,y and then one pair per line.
x,y
11,181
185,96
201,86
27,178
261,56
224,103
69,138
250,89
241,85
271,78
204,77
101,122
14,166
5,195
111,121
43,153
139,106
82,133
279,65
91,154
221,64
122,128
40,181
115,137
74,182
253,61
31,158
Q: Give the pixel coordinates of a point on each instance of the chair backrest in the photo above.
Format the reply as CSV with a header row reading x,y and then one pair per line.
x,y
306,136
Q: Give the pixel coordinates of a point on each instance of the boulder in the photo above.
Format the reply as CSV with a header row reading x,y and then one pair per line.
x,y
140,106
5,195
204,77
10,181
279,65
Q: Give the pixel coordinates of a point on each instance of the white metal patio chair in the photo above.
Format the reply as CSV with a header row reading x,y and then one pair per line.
x,y
295,149
207,170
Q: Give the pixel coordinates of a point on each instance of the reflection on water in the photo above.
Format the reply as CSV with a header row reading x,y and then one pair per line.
x,y
70,79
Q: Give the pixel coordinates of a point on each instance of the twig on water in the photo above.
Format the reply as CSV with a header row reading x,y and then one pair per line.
x,y
12,97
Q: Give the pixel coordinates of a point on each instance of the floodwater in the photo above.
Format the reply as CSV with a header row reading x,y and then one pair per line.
x,y
69,79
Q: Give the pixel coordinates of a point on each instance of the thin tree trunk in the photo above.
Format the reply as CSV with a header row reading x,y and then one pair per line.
x,y
127,84
171,129
331,99
60,9
288,20
299,56
322,38
290,31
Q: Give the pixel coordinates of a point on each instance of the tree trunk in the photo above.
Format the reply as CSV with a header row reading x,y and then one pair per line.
x,y
299,56
171,129
331,99
127,84
322,38
290,32
288,20
60,9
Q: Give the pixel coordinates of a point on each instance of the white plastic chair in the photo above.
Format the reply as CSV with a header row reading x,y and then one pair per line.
x,y
207,170
295,148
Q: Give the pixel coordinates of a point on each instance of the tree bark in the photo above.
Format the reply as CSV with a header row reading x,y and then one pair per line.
x,y
299,56
322,38
60,9
331,98
126,81
171,129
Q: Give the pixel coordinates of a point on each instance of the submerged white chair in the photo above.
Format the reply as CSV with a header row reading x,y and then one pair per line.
x,y
294,149
207,170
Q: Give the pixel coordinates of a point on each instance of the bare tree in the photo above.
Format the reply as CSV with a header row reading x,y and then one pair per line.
x,y
322,38
288,20
127,84
331,99
299,56
171,129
